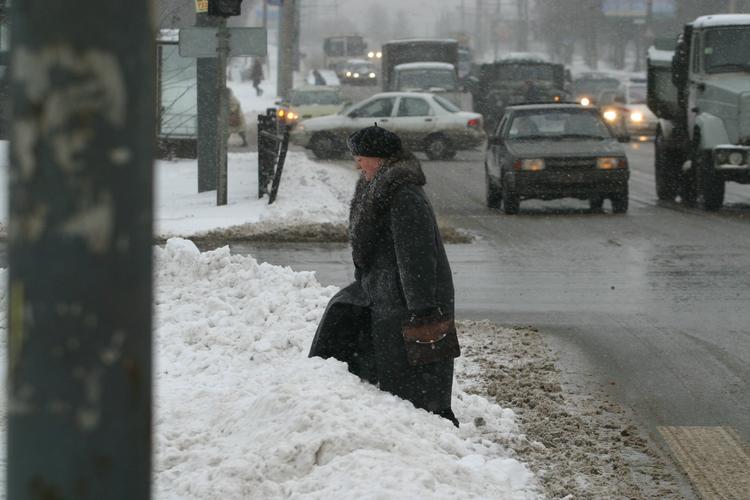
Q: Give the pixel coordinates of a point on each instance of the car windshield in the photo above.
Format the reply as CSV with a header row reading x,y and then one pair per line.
x,y
560,124
323,98
427,78
446,104
725,50
594,87
636,94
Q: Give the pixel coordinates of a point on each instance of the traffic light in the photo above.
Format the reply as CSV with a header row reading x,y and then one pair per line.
x,y
224,8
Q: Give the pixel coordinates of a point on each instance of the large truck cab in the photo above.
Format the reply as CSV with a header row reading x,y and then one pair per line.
x,y
703,139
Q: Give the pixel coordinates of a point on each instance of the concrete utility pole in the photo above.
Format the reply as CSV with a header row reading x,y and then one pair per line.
x,y
80,250
208,110
478,27
522,40
285,73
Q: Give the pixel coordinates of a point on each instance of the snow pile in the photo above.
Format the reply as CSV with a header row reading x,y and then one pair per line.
x,y
243,413
309,193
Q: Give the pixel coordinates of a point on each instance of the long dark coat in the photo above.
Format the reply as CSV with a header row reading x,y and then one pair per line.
x,y
401,269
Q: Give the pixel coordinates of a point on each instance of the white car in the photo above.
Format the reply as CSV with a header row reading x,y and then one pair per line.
x,y
627,112
425,122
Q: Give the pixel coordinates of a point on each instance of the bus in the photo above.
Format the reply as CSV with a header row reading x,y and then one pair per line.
x,y
338,49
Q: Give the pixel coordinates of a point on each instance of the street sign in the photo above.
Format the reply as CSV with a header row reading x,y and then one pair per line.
x,y
201,6
203,42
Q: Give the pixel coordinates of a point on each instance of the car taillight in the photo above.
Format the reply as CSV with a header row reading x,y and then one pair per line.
x,y
474,123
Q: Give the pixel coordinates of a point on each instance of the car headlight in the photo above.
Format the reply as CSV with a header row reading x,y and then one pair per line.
x,y
611,163
371,54
348,73
636,116
531,164
610,115
585,101
356,75
378,55
372,75
731,157
736,158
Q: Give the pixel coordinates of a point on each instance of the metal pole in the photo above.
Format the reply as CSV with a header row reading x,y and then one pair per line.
x,y
208,110
286,48
80,250
222,52
265,14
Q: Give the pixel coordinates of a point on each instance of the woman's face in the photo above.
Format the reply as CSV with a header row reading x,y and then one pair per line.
x,y
368,165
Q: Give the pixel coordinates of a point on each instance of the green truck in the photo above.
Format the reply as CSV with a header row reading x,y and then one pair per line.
x,y
700,90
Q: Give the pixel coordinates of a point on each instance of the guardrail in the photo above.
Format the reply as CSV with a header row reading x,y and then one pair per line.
x,y
273,142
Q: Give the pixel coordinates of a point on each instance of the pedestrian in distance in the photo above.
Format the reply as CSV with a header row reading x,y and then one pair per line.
x,y
394,325
237,123
256,75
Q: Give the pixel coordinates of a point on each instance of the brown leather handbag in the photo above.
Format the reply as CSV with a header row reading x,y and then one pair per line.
x,y
431,341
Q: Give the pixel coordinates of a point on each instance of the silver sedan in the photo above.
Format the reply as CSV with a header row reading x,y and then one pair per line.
x,y
425,122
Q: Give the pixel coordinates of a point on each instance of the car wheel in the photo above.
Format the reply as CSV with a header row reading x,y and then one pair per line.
x,y
709,186
666,170
323,146
436,147
494,195
596,203
619,202
511,201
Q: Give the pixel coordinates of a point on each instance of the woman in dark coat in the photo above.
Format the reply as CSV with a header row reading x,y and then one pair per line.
x,y
402,275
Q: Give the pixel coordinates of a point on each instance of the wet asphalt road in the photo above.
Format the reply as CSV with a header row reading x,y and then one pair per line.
x,y
652,305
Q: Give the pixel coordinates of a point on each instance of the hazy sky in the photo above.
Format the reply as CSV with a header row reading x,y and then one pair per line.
x,y
423,13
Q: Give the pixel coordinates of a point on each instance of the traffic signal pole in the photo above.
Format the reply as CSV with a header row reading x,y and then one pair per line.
x,y
208,109
80,250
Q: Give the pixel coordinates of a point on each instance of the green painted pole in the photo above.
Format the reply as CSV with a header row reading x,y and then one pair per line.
x,y
80,250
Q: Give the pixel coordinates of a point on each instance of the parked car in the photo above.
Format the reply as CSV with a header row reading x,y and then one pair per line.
x,y
310,102
426,122
626,111
358,72
550,151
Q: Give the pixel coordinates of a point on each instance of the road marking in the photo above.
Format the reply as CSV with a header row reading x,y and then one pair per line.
x,y
714,459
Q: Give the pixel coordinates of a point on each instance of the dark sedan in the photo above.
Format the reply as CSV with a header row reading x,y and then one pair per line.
x,y
550,151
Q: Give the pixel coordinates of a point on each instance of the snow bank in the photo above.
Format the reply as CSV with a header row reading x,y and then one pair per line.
x,y
310,193
243,413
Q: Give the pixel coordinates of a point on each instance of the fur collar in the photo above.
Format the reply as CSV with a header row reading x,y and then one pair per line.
x,y
372,201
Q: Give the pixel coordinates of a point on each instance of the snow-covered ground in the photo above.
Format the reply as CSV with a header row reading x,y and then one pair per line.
x,y
310,193
243,413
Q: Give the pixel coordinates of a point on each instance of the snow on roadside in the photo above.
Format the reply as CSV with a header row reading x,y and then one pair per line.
x,y
243,413
310,193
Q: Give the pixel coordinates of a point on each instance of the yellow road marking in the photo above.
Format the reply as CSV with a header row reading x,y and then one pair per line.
x,y
714,459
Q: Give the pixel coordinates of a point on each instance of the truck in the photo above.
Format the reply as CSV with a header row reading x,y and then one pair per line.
x,y
699,88
514,79
424,65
